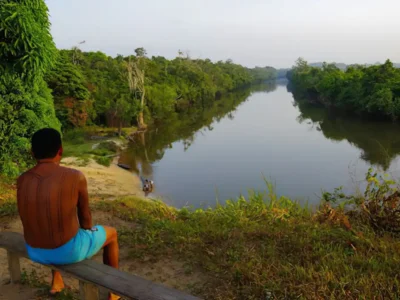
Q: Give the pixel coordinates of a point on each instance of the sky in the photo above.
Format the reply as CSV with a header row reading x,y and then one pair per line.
x,y
250,32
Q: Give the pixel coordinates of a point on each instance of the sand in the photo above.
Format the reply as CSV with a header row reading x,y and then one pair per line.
x,y
109,182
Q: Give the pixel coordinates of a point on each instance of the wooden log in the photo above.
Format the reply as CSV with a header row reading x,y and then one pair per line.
x,y
14,267
88,291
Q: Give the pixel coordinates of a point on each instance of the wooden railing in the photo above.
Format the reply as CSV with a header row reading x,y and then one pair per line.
x,y
95,280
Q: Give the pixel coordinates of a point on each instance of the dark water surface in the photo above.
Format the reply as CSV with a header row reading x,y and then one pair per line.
x,y
223,151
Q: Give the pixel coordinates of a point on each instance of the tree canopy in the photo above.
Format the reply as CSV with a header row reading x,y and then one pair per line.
x,y
137,89
372,91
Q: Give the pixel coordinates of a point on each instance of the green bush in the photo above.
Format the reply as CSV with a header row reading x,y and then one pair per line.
x,y
104,160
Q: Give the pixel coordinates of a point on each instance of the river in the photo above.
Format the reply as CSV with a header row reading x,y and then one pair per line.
x,y
220,152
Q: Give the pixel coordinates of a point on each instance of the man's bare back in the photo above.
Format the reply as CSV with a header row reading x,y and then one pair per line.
x,y
50,198
53,204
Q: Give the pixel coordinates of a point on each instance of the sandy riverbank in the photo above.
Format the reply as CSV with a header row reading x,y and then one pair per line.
x,y
107,182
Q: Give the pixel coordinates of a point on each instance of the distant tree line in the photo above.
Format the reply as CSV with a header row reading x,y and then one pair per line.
x,y
364,90
93,88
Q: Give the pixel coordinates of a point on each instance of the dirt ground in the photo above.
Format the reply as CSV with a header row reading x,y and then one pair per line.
x,y
105,182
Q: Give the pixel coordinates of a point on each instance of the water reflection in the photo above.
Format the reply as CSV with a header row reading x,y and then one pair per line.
x,y
379,142
149,147
201,154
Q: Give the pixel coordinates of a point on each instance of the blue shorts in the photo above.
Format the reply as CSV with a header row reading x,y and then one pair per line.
x,y
84,245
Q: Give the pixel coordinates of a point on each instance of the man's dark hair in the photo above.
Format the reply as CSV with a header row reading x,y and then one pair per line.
x,y
45,143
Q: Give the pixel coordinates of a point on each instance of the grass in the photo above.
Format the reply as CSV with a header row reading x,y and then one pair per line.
x,y
266,247
78,143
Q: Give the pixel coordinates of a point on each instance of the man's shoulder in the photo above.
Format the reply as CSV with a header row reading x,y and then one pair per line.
x,y
27,173
72,171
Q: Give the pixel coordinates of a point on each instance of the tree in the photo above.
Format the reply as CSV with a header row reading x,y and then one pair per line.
x,y
140,52
71,97
27,52
77,54
135,72
301,65
27,48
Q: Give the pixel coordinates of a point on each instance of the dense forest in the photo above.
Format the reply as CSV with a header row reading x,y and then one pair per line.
x,y
41,86
364,90
93,88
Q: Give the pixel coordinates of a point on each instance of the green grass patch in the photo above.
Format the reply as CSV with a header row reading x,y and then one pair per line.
x,y
105,161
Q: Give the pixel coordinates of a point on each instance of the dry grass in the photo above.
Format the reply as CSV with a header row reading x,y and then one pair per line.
x,y
8,207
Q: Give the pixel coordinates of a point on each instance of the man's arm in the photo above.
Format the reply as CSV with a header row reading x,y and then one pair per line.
x,y
84,215
19,181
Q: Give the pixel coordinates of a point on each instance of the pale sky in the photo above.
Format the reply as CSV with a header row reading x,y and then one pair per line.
x,y
250,32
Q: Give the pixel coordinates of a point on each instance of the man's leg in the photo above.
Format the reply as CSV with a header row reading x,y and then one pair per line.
x,y
111,249
110,258
57,284
111,252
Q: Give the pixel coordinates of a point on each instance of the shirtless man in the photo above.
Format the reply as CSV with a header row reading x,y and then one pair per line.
x,y
53,204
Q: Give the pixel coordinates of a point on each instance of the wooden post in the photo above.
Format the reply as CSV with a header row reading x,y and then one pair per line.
x,y
103,293
13,267
88,291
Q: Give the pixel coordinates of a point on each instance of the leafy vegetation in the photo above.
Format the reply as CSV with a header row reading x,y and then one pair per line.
x,y
93,88
372,91
27,52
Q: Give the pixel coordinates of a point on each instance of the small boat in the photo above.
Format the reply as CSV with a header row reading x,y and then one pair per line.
x,y
124,166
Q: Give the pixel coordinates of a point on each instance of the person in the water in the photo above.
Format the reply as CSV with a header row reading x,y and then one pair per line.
x,y
53,204
148,186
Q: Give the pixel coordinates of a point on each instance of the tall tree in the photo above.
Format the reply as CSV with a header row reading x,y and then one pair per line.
x,y
71,96
27,52
135,70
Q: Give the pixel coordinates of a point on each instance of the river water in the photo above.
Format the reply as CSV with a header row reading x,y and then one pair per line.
x,y
220,152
